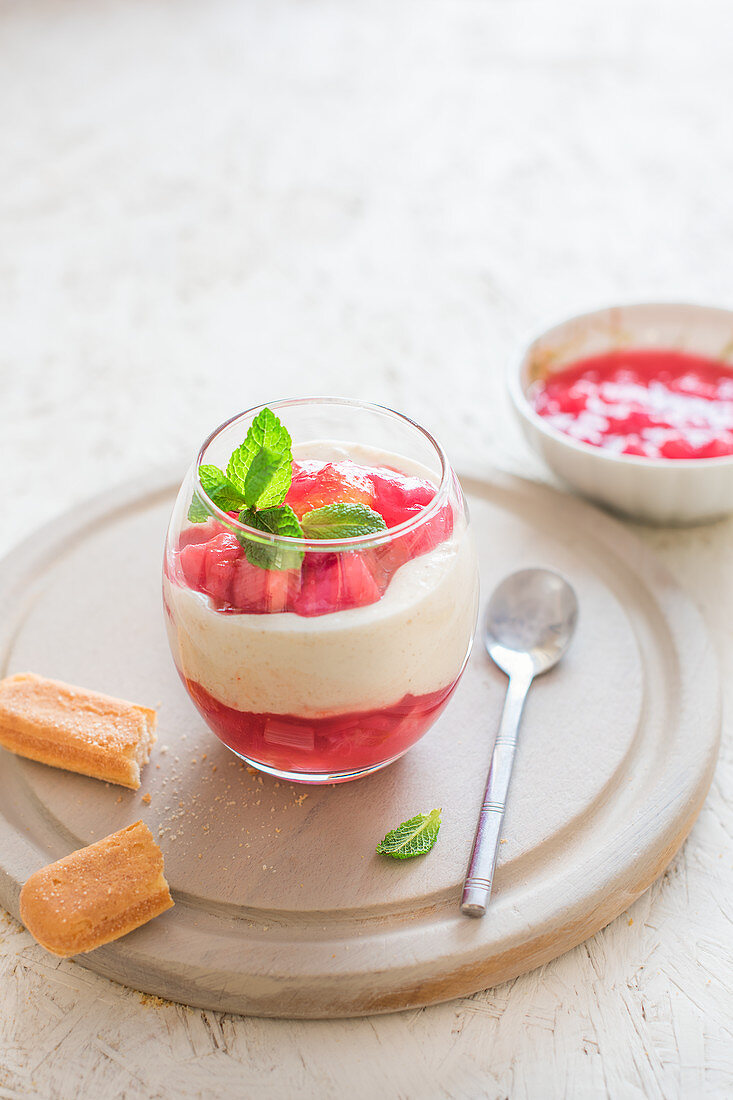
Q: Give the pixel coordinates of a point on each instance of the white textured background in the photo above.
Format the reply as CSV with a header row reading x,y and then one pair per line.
x,y
208,204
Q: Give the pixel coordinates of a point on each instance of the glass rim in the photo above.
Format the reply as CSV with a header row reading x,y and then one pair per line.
x,y
357,542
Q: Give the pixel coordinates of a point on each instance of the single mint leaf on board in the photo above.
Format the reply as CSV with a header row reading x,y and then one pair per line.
x,y
266,432
218,488
265,467
342,521
278,521
412,838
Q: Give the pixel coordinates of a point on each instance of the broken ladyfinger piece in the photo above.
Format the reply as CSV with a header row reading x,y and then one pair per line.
x,y
76,729
97,894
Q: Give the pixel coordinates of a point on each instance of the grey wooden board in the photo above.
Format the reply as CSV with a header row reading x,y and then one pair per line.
x,y
282,906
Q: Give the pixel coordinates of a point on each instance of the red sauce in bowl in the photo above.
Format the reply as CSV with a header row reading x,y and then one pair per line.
x,y
653,403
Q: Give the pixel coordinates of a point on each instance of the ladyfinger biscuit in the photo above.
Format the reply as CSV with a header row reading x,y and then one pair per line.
x,y
97,894
70,727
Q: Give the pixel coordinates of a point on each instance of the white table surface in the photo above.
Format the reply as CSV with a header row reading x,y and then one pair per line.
x,y
207,205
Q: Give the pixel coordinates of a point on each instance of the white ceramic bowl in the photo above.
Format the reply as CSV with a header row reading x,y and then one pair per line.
x,y
679,491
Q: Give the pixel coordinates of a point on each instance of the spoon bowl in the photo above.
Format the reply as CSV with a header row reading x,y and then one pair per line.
x,y
530,620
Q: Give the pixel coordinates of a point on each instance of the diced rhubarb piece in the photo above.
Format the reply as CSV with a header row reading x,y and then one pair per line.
x,y
319,585
379,565
317,484
335,582
263,590
431,533
218,580
399,497
199,532
192,561
220,559
421,540
357,584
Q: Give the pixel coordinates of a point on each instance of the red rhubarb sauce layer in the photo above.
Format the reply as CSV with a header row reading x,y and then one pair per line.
x,y
329,745
212,560
652,403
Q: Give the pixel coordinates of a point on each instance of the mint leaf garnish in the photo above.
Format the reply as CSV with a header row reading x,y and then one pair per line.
x,y
342,521
412,838
266,433
280,520
197,510
266,467
218,488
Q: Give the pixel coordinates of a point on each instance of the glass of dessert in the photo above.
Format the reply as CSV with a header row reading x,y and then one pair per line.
x,y
320,586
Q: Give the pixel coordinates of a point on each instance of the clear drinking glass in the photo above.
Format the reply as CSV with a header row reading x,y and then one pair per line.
x,y
332,666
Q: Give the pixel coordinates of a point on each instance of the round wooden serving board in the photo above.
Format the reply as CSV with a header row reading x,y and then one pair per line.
x,y
282,906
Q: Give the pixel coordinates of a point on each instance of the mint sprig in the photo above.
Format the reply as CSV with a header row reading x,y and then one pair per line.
x,y
341,521
256,482
412,838
258,473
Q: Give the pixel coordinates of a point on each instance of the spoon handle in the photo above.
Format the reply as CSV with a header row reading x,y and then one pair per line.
x,y
480,877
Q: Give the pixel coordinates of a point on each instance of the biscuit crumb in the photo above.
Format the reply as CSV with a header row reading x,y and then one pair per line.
x,y
147,798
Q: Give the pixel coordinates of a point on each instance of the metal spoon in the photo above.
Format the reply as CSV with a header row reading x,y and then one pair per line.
x,y
529,623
